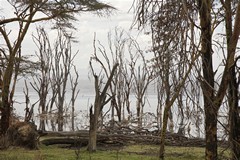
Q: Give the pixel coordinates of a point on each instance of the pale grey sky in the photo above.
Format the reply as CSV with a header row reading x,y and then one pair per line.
x,y
87,25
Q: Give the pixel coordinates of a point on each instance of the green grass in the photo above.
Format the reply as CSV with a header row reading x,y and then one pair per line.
x,y
133,152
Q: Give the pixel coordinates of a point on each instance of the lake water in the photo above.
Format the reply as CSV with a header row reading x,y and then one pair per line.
x,y
86,99
82,104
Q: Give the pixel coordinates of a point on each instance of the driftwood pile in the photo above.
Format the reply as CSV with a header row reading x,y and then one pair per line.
x,y
123,136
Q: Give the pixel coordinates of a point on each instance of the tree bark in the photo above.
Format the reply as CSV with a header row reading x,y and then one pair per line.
x,y
92,143
211,110
7,76
100,101
234,118
163,131
25,12
5,118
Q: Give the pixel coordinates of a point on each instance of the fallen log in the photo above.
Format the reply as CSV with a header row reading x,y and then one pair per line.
x,y
64,133
70,141
81,138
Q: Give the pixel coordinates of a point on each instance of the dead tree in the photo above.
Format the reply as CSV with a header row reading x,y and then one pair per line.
x,y
118,45
100,101
160,98
41,81
75,92
25,14
29,109
100,97
128,85
61,67
193,109
142,77
54,72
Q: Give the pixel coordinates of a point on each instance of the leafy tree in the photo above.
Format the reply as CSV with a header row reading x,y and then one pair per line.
x,y
204,16
61,13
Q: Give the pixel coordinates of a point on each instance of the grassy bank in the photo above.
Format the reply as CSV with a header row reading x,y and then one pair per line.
x,y
133,152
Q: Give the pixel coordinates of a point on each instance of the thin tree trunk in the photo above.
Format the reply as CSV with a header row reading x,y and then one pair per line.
x,y
168,105
139,118
73,119
163,131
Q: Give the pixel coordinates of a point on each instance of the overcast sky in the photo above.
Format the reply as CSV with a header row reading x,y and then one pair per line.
x,y
87,25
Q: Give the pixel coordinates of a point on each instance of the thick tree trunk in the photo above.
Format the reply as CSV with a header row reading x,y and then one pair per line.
x,y
42,123
234,118
60,118
6,106
211,133
5,118
8,73
42,114
100,101
208,80
94,115
92,143
61,98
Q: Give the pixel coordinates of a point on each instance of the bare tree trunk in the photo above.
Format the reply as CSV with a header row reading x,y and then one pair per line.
x,y
28,108
8,92
163,131
181,129
63,59
159,104
112,123
233,90
213,102
60,115
41,83
142,77
92,143
234,116
5,118
139,116
73,118
6,101
211,110
74,85
100,101
168,105
171,123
